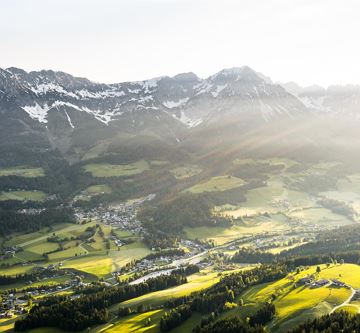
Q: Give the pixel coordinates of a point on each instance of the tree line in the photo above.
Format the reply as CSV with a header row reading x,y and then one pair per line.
x,y
88,310
332,323
213,300
14,221
253,324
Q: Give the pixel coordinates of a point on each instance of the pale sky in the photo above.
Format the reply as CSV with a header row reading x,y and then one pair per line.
x,y
307,41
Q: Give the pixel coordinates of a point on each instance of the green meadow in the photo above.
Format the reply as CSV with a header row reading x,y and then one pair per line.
x,y
23,196
22,171
105,170
215,184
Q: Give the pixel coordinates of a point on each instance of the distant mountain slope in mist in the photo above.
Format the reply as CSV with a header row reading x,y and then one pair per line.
x,y
49,109
336,100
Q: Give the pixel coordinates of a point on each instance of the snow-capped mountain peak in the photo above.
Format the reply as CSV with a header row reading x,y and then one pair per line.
x,y
45,94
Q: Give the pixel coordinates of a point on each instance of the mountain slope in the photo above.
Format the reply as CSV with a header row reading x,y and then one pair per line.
x,y
62,110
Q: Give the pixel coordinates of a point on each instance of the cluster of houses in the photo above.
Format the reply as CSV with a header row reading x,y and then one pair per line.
x,y
12,305
31,211
15,303
9,252
281,203
121,215
311,281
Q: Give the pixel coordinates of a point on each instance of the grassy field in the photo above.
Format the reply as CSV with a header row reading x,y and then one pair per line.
x,y
127,253
159,163
93,191
41,247
98,262
98,189
196,282
92,258
214,184
136,323
189,324
272,198
20,269
186,171
349,308
22,171
294,304
320,215
251,226
6,325
100,266
117,170
23,240
23,196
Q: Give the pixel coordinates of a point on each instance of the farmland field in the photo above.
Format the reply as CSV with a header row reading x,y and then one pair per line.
x,y
251,226
136,323
294,304
23,196
22,171
196,282
117,170
214,184
127,253
98,189
186,171
100,266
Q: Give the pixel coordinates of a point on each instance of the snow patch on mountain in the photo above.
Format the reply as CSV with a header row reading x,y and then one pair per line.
x,y
188,121
37,112
40,113
218,89
104,117
44,88
316,103
175,104
61,103
100,94
69,120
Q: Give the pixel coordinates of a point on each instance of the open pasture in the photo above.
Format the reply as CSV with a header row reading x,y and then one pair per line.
x,y
127,253
251,226
186,171
105,170
215,184
196,282
137,323
22,171
98,189
296,303
23,196
100,266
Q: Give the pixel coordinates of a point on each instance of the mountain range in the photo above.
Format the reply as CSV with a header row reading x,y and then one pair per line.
x,y
55,110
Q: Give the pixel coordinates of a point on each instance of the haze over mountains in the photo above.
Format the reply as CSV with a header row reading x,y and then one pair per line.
x,y
56,110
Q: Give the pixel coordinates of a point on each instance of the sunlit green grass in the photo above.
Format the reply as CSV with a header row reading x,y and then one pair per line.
x,y
214,184
23,195
295,304
117,170
22,171
100,266
136,323
196,282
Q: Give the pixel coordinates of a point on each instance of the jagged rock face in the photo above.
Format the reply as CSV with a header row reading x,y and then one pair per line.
x,y
41,93
62,111
341,102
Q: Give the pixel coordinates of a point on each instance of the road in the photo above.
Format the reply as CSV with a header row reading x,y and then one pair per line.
x,y
196,258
